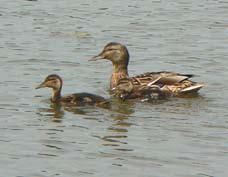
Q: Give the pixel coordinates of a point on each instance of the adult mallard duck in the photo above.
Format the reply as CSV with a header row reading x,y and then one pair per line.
x,y
168,83
80,99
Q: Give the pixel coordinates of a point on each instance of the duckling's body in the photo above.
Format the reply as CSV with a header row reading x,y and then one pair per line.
x,y
169,83
126,89
81,99
78,99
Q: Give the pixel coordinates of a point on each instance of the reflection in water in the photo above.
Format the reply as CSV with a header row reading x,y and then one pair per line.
x,y
75,110
124,107
117,133
120,114
55,112
168,138
188,105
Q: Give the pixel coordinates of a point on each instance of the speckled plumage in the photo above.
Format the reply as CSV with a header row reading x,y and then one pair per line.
x,y
163,82
78,99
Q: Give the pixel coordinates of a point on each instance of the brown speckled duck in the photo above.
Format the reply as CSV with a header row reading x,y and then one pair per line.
x,y
163,83
78,99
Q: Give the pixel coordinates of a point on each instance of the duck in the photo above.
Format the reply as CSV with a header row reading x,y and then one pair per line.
x,y
55,82
163,83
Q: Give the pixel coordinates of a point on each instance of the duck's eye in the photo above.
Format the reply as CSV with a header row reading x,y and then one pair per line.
x,y
52,80
111,49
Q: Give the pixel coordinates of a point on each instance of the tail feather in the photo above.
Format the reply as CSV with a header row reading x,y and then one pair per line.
x,y
192,89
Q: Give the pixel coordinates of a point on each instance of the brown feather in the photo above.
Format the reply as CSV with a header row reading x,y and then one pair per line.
x,y
164,82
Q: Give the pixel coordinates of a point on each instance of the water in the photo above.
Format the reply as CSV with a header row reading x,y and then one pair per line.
x,y
175,138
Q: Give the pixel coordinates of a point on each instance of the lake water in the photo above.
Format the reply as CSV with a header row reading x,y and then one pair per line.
x,y
174,138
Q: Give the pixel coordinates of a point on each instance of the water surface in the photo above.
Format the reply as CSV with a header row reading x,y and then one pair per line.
x,y
178,137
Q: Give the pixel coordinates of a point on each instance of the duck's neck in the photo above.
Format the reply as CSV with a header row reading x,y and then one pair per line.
x,y
56,95
119,72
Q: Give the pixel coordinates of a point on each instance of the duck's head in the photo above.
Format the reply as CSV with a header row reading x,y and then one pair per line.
x,y
52,81
115,52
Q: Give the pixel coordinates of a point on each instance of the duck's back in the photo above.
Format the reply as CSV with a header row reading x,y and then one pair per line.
x,y
161,83
162,77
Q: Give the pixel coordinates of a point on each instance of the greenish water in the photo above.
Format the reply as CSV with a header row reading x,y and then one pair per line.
x,y
174,138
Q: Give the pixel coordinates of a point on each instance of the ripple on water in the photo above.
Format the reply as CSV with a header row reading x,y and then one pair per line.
x,y
175,137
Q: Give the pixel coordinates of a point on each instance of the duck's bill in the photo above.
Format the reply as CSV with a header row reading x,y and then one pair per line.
x,y
40,86
95,58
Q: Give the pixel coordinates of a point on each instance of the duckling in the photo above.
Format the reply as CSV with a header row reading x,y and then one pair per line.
x,y
126,89
79,99
172,83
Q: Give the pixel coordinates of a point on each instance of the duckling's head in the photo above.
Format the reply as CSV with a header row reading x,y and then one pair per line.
x,y
115,52
52,81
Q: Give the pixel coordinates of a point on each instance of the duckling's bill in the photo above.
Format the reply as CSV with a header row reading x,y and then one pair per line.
x,y
42,85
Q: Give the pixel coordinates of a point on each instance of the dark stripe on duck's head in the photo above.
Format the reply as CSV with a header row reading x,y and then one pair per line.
x,y
53,77
115,52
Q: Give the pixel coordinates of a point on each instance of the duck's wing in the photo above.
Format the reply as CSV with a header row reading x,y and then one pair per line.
x,y
92,99
192,89
182,88
163,77
83,98
162,83
69,99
